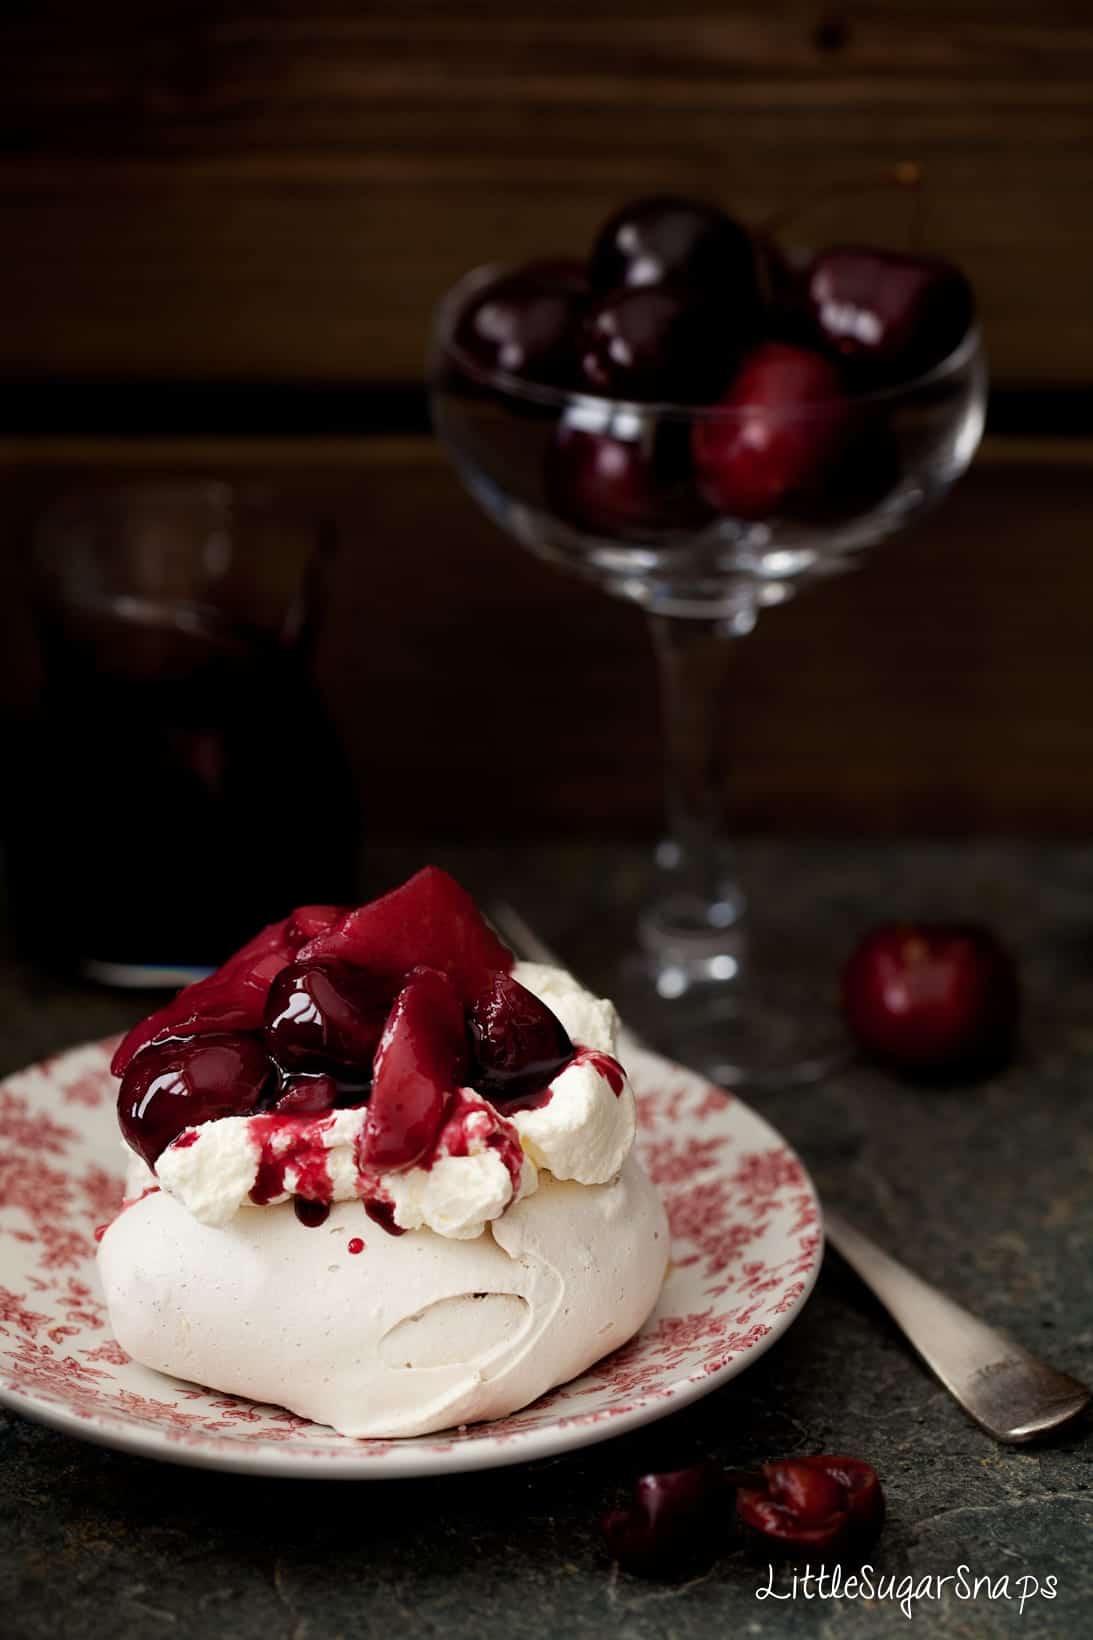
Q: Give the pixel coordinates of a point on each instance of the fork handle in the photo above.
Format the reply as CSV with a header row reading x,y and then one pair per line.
x,y
1010,1393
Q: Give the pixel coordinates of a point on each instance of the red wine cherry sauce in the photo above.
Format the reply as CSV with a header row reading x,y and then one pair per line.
x,y
329,1009
291,1142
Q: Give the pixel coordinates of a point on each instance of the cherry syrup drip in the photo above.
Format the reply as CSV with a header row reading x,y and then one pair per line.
x,y
473,1121
383,1213
310,1213
608,1067
185,1140
356,1245
288,1141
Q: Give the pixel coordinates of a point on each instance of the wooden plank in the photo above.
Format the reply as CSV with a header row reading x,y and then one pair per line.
x,y
947,686
252,192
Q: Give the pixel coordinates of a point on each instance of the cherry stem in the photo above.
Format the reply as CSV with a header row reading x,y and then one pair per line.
x,y
907,174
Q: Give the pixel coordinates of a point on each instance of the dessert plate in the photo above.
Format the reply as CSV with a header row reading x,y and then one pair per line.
x,y
746,1246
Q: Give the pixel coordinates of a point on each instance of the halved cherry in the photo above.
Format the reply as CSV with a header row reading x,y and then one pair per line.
x,y
673,1527
519,1043
325,1013
430,922
421,1061
820,1504
181,1083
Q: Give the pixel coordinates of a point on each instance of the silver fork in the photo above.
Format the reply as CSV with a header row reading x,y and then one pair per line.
x,y
1010,1393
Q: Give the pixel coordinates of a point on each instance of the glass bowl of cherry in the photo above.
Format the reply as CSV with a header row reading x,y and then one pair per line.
x,y
701,420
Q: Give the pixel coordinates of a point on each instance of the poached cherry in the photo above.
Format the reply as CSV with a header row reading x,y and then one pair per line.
x,y
231,999
527,323
786,419
664,239
932,997
183,1082
519,1044
892,317
653,343
429,921
421,1061
307,1095
323,1013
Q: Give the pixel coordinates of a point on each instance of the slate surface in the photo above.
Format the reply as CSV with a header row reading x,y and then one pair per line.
x,y
987,1190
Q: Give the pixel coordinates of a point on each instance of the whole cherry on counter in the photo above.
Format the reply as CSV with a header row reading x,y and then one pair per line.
x,y
891,316
781,425
932,997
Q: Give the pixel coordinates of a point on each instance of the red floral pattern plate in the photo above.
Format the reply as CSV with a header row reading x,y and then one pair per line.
x,y
746,1246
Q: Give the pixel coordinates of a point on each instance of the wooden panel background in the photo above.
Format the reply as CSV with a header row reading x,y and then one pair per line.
x,y
281,191
271,197
945,686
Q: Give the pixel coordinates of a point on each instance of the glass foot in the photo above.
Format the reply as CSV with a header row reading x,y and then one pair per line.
x,y
763,1029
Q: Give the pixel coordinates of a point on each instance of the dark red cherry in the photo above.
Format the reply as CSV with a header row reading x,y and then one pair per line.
x,y
527,323
665,239
232,999
784,421
632,484
932,997
421,1061
519,1043
862,473
816,1505
891,317
325,1013
178,1084
429,921
674,1525
656,343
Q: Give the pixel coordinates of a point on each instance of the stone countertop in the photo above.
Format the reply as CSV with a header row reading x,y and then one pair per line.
x,y
987,1190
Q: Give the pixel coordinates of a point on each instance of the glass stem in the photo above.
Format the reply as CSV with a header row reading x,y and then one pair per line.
x,y
692,661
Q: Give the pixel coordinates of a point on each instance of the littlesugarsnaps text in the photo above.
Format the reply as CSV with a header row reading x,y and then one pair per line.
x,y
905,1589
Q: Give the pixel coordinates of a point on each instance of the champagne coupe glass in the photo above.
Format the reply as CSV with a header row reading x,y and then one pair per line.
x,y
612,490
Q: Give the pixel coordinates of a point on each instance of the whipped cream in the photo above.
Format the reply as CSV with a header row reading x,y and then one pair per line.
x,y
484,1162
